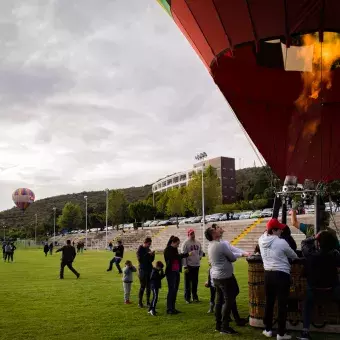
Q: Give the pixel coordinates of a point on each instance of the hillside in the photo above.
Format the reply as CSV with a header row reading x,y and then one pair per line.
x,y
44,207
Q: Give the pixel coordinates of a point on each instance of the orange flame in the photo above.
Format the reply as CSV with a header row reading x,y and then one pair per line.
x,y
323,58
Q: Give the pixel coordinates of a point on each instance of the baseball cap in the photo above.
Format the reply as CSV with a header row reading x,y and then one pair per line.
x,y
274,223
190,231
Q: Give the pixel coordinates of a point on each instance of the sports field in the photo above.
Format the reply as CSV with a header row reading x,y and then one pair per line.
x,y
35,304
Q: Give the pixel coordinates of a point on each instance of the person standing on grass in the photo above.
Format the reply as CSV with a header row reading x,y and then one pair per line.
x,y
68,256
51,248
3,249
127,280
173,262
46,249
191,266
145,258
12,251
157,275
119,250
237,253
275,255
221,258
8,252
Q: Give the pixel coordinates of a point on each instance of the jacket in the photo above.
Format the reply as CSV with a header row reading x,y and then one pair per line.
x,y
68,253
195,259
145,258
221,258
156,278
171,254
276,253
119,250
321,267
127,274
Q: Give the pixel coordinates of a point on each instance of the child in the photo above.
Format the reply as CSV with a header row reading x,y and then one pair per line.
x,y
157,275
210,284
127,280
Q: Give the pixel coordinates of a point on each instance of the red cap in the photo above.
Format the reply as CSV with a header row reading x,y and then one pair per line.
x,y
190,231
274,223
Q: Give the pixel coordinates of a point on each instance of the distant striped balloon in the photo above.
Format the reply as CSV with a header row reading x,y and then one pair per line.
x,y
23,198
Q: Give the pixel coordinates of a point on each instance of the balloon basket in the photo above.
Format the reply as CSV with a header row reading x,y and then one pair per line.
x,y
326,314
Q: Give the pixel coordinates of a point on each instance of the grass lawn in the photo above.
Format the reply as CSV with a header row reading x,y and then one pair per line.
x,y
35,304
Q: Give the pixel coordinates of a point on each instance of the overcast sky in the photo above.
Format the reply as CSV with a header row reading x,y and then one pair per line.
x,y
104,93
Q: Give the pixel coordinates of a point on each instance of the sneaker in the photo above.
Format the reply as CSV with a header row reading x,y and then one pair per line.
x,y
140,305
196,300
241,322
283,337
187,302
304,336
211,310
152,312
228,330
268,334
109,270
127,302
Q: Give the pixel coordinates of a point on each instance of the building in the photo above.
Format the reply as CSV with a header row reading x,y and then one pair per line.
x,y
225,169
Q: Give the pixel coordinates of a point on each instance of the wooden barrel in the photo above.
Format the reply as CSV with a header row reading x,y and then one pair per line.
x,y
326,314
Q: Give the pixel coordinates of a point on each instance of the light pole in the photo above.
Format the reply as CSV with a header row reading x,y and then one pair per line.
x,y
107,213
54,212
200,157
4,232
35,230
85,197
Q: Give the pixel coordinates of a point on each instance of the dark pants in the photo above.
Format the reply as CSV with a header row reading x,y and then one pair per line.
x,y
144,279
173,279
8,256
69,266
46,252
333,294
226,290
51,251
116,260
212,296
276,285
191,282
154,300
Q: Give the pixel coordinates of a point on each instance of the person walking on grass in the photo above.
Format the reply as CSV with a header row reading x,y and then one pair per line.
x,y
276,253
173,269
46,248
119,250
127,280
145,258
68,256
221,258
191,266
157,275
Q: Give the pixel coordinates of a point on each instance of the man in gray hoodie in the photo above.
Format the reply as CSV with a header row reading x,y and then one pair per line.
x,y
221,258
191,266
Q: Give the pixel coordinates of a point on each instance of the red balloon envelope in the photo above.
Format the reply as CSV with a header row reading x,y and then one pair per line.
x,y
23,198
276,78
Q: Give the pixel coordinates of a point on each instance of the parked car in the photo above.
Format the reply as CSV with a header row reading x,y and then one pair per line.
x,y
225,217
147,223
268,212
154,223
245,215
196,219
256,214
164,223
182,222
236,216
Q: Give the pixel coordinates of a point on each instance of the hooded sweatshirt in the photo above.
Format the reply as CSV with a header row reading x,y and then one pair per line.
x,y
195,248
275,253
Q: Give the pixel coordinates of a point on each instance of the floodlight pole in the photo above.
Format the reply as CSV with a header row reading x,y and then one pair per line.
x,y
54,212
201,157
107,213
85,197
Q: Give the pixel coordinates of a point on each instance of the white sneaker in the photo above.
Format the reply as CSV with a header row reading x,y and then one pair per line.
x,y
283,337
268,334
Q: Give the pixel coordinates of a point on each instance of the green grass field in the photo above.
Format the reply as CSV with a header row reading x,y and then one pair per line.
x,y
35,304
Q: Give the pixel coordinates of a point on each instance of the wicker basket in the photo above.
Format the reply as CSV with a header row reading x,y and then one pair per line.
x,y
326,312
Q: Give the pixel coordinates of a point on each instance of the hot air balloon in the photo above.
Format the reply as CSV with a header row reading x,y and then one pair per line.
x,y
23,198
275,61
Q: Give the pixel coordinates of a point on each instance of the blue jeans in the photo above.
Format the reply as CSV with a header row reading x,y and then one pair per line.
x,y
173,279
310,300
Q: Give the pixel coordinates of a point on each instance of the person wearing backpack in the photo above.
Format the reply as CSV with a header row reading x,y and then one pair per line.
x,y
8,251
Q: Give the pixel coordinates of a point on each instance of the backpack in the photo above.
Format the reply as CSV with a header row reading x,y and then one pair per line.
x,y
8,248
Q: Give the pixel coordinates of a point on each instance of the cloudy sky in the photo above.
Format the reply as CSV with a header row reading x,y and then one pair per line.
x,y
104,93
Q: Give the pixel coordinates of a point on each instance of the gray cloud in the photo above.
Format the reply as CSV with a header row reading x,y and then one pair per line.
x,y
97,94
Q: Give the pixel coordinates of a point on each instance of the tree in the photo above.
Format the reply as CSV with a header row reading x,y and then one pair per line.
x,y
176,205
212,191
117,207
161,203
141,211
71,217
